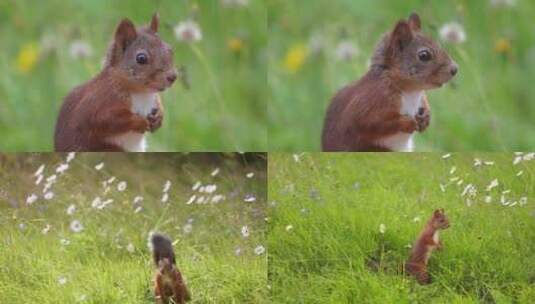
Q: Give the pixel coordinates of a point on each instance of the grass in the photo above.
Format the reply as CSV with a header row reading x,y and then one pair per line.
x,y
109,261
487,107
325,245
224,110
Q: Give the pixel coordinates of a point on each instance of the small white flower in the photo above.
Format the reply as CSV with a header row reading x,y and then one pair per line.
x,y
110,180
196,186
46,229
445,156
346,50
494,183
453,169
166,186
138,209
70,157
529,156
200,200
520,173
188,31
215,172
517,160
217,198
523,201
289,228
191,200
80,49
52,178
452,32
31,199
296,157
165,198
442,187
259,250
250,175
382,228
210,188
71,209
477,162
62,280
121,186
39,179
138,199
249,198
22,226
489,163
130,248
49,195
39,170
488,199
76,226
245,231
64,242
416,219
99,166
469,189
187,228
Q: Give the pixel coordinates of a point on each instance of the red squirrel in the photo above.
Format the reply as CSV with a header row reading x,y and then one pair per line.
x,y
112,111
382,110
424,245
169,286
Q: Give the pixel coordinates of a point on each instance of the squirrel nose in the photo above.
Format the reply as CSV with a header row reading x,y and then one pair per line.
x,y
453,69
171,78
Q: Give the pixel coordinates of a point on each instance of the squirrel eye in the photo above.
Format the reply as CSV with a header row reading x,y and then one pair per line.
x,y
141,58
424,55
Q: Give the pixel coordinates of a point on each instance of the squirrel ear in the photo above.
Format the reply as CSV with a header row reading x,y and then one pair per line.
x,y
401,36
414,22
155,22
125,34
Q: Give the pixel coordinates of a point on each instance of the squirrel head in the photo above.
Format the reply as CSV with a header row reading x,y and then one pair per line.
x,y
140,59
413,60
439,220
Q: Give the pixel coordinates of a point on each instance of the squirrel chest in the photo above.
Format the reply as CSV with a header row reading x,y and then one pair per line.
x,y
141,104
401,141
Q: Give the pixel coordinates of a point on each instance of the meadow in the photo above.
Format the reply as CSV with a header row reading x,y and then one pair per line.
x,y
342,225
49,47
316,49
77,230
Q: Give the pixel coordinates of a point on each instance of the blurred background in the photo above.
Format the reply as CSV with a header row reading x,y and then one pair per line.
x,y
49,47
317,48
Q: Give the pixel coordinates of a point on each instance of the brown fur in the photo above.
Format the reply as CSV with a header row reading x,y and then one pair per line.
x,y
169,286
424,245
100,109
367,111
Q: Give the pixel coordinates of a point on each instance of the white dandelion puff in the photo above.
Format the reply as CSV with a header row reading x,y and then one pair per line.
x,y
62,280
250,175
80,49
31,199
259,250
138,199
121,186
188,31
76,226
187,228
99,166
49,195
447,155
71,209
382,228
493,184
346,50
289,228
46,229
249,198
237,251
452,32
130,248
245,231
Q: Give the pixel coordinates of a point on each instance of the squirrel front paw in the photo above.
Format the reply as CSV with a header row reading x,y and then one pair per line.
x,y
155,119
423,117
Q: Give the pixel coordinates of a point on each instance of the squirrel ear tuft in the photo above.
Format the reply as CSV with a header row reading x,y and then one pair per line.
x,y
155,22
414,22
400,37
125,34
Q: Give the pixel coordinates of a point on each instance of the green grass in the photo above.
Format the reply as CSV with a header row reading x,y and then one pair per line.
x,y
335,203
97,263
223,111
487,107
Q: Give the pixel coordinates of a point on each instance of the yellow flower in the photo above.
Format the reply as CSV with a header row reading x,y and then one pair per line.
x,y
235,44
295,58
502,46
27,58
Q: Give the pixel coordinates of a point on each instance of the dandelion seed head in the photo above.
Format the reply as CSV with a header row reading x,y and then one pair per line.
x,y
71,209
62,280
452,32
80,49
188,31
259,250
346,50
31,199
121,186
76,226
245,231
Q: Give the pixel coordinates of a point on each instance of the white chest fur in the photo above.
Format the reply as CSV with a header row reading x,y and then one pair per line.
x,y
402,142
435,237
142,104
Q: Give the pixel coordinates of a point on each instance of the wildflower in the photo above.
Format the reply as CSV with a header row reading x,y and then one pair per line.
x,y
166,186
520,173
215,172
445,156
39,179
416,219
31,199
452,32
62,168
39,171
71,209
165,197
295,58
70,157
249,198
80,49
517,160
187,228
62,280
46,229
250,175
453,169
191,200
488,163
382,228
49,195
235,44
296,157
138,199
245,231
111,180
442,187
217,198
289,228
346,50
121,186
469,189
99,166
138,209
210,188
477,162
76,226
27,58
52,178
22,226
197,185
494,183
130,248
259,250
188,31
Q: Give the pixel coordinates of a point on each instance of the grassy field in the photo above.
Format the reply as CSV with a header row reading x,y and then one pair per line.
x,y
224,109
326,246
488,107
45,260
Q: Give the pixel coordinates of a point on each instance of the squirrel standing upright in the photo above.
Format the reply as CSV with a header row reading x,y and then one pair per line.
x,y
424,245
387,105
112,111
168,284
